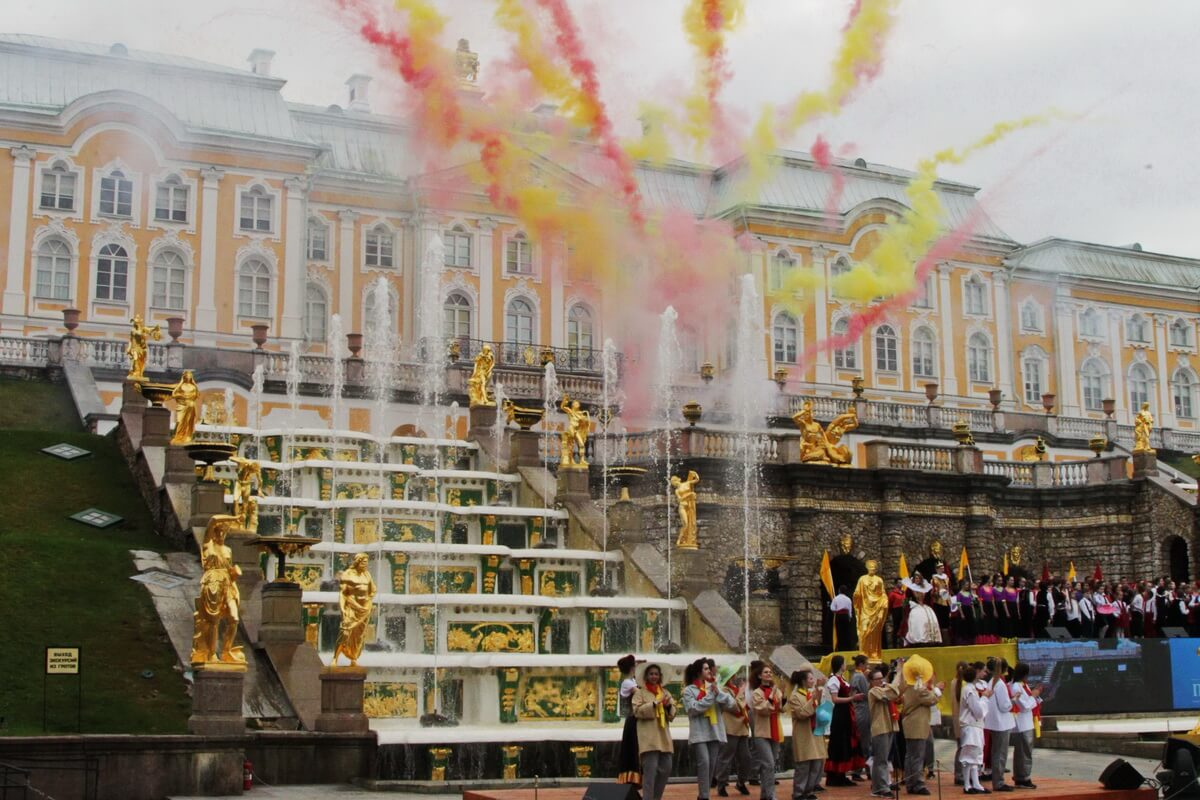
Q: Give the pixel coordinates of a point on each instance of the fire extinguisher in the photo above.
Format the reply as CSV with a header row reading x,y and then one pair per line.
x,y
247,775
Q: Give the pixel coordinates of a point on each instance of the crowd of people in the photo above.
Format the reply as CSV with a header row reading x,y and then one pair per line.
x,y
868,723
941,610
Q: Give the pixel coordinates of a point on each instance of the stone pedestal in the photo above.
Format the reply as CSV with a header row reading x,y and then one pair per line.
x,y
342,700
156,427
573,485
1145,464
180,468
132,401
208,498
524,449
766,628
687,571
482,422
626,523
282,616
217,700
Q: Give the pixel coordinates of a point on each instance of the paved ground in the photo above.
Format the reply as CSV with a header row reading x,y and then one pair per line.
x,y
1061,764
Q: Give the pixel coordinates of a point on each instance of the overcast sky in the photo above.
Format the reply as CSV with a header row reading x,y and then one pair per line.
x,y
1126,171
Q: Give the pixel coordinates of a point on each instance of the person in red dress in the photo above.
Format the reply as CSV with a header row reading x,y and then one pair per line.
x,y
845,755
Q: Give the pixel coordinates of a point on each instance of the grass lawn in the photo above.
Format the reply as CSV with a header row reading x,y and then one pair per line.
x,y
36,406
1185,465
65,583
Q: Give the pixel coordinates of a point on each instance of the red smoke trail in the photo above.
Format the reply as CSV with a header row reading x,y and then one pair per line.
x,y
823,158
717,73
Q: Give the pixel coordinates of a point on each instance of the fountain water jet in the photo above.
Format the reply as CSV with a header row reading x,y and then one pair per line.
x,y
670,356
550,393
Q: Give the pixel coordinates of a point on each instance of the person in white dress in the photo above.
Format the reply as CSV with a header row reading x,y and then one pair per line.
x,y
923,625
972,709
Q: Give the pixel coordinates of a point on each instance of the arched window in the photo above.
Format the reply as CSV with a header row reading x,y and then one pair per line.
x,y
844,357
171,200
257,209
316,314
58,188
1093,380
456,317
839,268
168,281
979,358
318,240
1180,334
380,250
579,328
53,270
924,346
781,264
886,356
1090,324
975,296
786,335
458,247
116,195
1137,329
372,312
1033,374
112,273
1141,379
1183,389
518,255
254,289
518,322
1031,316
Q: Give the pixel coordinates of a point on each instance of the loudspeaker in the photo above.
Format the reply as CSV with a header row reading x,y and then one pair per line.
x,y
1175,633
1179,778
611,791
1120,774
1058,634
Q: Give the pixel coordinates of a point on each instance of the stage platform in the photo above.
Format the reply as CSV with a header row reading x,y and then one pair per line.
x,y
1047,788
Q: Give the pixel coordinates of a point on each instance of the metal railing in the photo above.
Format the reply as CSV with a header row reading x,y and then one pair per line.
x,y
523,355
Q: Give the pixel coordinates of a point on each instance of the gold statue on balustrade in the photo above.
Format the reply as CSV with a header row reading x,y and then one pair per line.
x,y
186,395
819,446
138,348
356,599
574,438
1143,424
481,376
245,501
219,601
685,494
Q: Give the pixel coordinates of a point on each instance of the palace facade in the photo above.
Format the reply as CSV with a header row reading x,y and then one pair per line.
x,y
138,182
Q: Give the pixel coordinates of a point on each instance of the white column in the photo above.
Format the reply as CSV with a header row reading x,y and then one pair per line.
x,y
204,325
1166,409
487,278
949,387
347,270
294,273
18,229
1116,321
1067,382
823,374
1004,340
429,228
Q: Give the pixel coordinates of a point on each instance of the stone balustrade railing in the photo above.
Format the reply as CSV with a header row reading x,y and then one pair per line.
x,y
1059,474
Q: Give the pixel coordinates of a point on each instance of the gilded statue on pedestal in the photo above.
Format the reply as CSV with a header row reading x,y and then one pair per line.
x,y
481,376
139,337
1143,423
935,549
186,395
356,598
685,493
870,611
219,600
1014,557
245,503
846,544
819,446
574,438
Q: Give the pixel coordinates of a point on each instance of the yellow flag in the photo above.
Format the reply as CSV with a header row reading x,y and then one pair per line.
x,y
1004,569
903,567
963,563
826,574
1071,572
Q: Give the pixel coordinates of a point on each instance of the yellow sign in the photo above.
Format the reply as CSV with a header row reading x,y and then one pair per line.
x,y
62,660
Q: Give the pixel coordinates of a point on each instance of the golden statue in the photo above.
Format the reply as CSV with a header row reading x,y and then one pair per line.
x,y
477,385
245,504
870,611
186,394
466,63
356,599
935,550
1143,423
685,493
138,347
574,438
219,597
1014,556
819,446
846,544
1032,452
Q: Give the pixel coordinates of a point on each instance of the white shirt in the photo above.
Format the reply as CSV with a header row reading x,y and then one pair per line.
x,y
999,713
841,603
1139,602
1025,703
972,709
628,687
935,713
1073,608
1086,609
832,686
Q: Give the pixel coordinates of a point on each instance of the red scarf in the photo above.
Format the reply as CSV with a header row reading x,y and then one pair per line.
x,y
776,725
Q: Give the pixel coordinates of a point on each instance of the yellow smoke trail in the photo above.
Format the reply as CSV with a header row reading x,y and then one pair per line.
x,y
534,54
706,23
652,145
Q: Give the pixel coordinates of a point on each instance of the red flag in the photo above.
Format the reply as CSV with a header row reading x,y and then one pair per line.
x,y
1097,575
1045,571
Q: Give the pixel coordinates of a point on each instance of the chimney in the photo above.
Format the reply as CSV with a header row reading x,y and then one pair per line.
x,y
358,92
260,61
